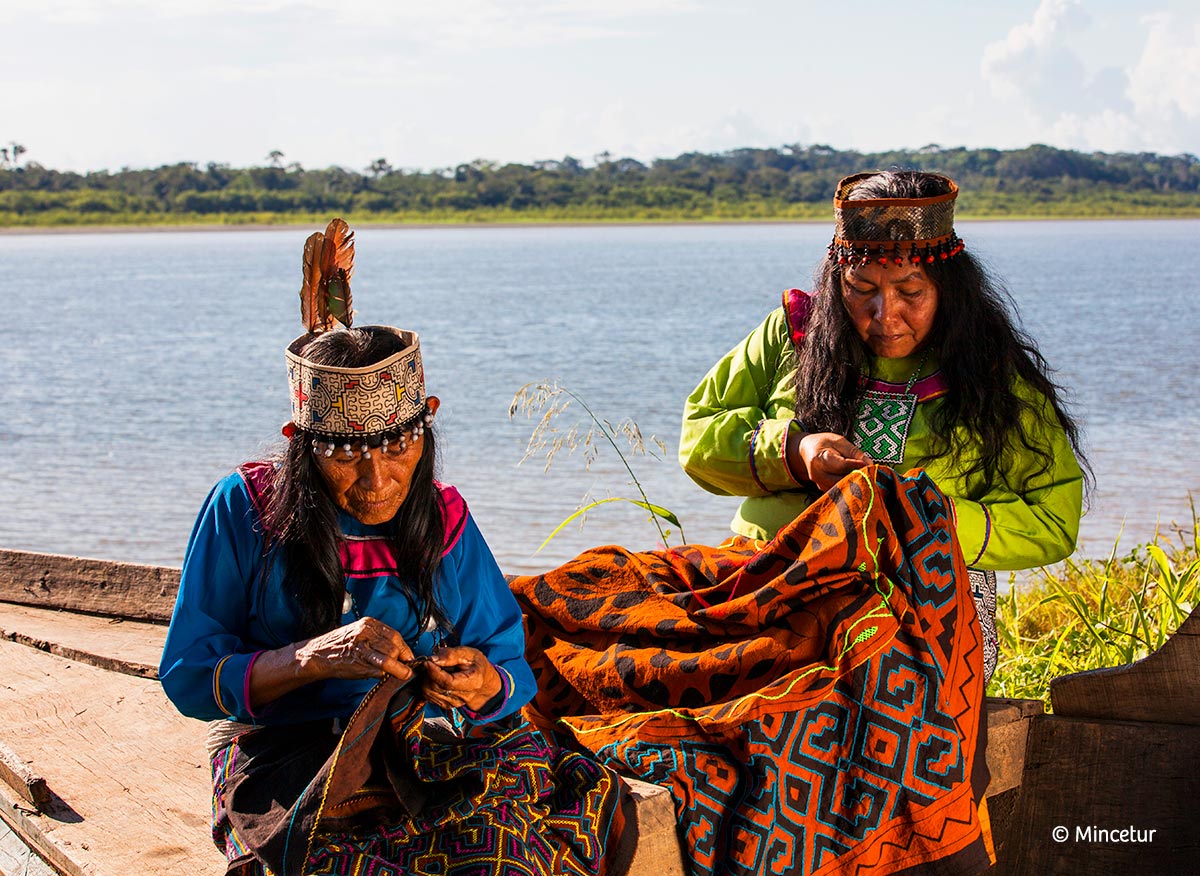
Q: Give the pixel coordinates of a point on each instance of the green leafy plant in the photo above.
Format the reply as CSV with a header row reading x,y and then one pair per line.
x,y
1090,614
550,401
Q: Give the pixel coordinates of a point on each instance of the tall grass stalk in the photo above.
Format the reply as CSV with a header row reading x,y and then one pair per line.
x,y
1090,614
550,401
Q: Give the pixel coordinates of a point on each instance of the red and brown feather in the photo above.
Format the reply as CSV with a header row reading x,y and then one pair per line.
x,y
328,265
337,263
312,307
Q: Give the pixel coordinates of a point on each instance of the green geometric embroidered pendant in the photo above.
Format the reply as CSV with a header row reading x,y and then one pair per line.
x,y
881,430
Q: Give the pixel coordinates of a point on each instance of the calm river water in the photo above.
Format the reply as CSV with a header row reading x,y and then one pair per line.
x,y
138,368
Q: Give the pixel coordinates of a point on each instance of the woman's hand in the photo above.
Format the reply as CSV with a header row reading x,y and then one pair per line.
x,y
367,648
461,676
824,458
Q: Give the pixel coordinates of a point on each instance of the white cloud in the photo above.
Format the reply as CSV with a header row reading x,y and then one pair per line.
x,y
731,129
1033,62
1153,104
1166,78
644,131
1116,130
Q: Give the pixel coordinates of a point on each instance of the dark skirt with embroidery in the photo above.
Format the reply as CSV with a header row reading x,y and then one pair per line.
x,y
816,706
396,795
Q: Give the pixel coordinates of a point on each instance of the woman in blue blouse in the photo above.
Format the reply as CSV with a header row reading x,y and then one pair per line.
x,y
343,625
291,605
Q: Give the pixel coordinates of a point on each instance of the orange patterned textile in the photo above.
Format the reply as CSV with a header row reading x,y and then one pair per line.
x,y
815,706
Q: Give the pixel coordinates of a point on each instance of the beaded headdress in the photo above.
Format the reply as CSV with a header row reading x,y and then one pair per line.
x,y
342,404
893,230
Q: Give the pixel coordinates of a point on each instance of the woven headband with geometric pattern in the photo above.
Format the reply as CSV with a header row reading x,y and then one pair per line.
x,y
893,230
333,402
341,403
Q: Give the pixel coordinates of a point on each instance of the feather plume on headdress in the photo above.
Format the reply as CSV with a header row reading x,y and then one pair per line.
x,y
328,264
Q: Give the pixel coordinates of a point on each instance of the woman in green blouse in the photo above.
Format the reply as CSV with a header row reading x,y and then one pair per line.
x,y
905,354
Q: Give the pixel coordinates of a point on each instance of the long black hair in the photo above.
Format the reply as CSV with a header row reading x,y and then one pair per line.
x,y
301,517
981,349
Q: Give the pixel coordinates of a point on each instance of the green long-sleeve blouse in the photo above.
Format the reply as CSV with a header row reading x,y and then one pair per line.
x,y
735,423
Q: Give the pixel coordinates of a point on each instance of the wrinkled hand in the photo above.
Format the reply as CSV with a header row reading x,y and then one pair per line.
x,y
367,648
828,457
461,676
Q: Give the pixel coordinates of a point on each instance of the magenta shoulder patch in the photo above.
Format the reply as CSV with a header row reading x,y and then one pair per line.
x,y
454,513
797,305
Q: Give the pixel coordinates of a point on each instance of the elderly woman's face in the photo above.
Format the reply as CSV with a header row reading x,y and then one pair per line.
x,y
892,308
372,489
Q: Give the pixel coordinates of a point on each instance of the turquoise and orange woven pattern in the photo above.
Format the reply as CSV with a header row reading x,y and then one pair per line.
x,y
816,707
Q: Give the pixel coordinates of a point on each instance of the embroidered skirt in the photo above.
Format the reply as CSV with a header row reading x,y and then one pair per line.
x,y
396,795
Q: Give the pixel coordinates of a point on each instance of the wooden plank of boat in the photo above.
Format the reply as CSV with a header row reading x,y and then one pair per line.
x,y
1109,778
1164,687
1007,735
129,590
127,775
128,646
22,779
17,858
1118,793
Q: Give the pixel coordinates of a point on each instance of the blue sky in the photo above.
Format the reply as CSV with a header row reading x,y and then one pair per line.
x,y
140,83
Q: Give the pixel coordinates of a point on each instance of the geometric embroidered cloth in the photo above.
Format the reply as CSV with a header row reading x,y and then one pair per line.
x,y
881,427
393,795
816,707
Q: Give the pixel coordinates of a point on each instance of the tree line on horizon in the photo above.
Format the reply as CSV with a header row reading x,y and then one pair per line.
x,y
783,181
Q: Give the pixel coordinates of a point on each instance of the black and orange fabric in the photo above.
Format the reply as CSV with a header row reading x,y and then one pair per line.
x,y
815,706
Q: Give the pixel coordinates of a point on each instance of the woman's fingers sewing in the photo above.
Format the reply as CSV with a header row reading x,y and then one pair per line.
x,y
828,457
366,648
456,677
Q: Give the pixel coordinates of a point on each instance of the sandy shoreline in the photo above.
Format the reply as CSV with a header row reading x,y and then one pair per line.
x,y
14,230
128,229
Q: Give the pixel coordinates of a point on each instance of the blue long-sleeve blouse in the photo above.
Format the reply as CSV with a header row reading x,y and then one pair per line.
x,y
227,611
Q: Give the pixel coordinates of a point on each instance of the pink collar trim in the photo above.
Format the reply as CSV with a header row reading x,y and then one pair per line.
x,y
931,387
355,553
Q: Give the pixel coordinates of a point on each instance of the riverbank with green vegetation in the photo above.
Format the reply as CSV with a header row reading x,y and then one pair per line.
x,y
67,217
1091,614
789,184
